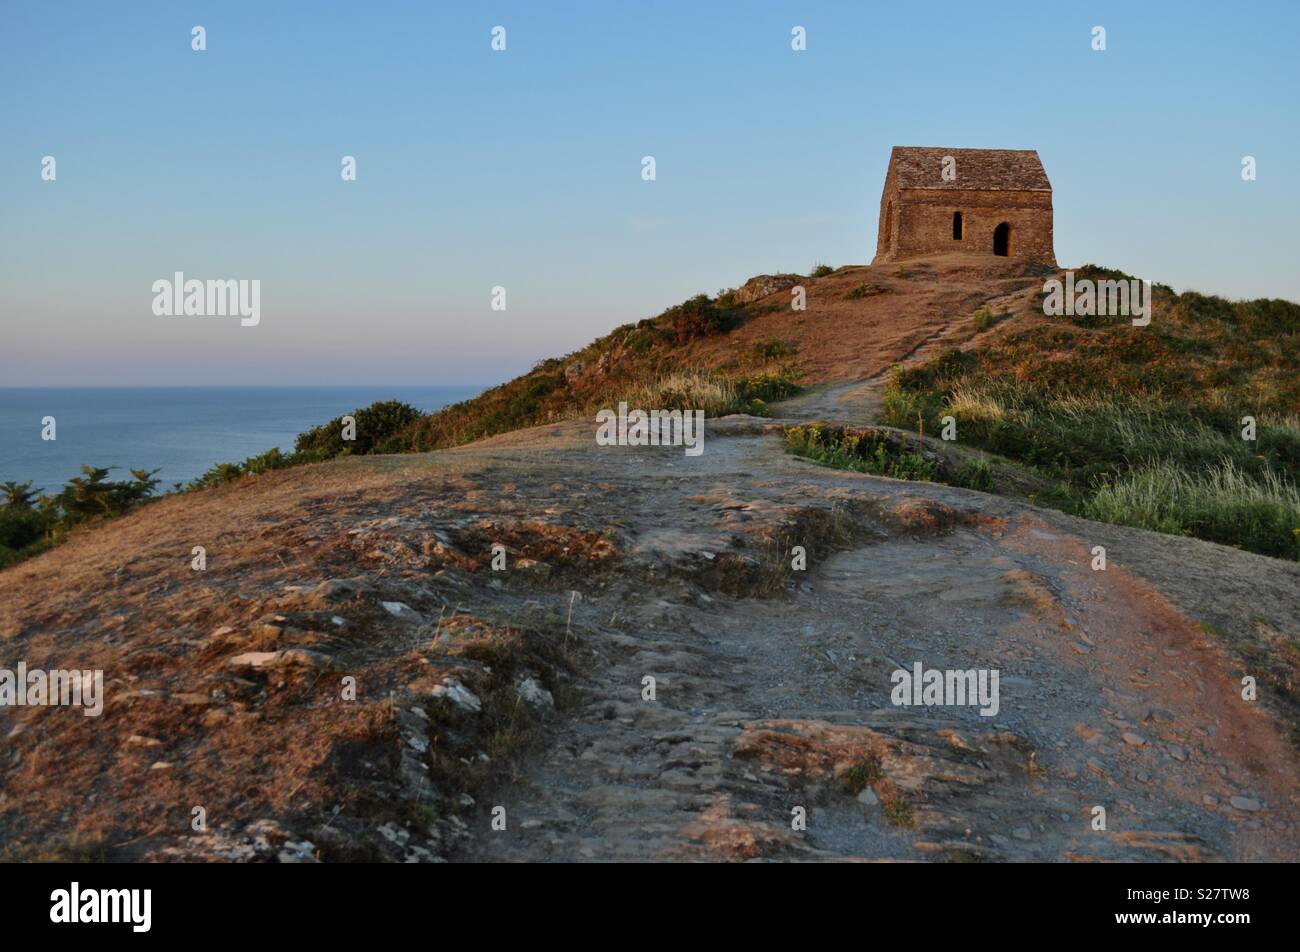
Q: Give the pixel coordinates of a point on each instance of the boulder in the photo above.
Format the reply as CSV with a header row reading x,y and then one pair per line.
x,y
762,285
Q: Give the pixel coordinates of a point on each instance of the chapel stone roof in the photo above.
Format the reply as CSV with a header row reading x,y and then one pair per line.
x,y
980,169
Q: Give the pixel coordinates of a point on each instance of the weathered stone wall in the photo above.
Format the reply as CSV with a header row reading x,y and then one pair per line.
x,y
887,232
921,222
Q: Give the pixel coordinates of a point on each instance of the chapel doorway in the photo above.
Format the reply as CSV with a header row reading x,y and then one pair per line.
x,y
1002,240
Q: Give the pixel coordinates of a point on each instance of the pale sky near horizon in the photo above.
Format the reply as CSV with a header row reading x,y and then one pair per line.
x,y
522,168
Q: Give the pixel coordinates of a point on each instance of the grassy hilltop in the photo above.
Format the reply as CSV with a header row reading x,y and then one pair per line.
x,y
1139,426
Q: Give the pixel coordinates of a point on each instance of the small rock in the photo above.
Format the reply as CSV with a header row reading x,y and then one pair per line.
x,y
1248,804
868,797
458,694
1021,833
535,694
1133,740
290,657
303,657
253,659
302,852
400,610
1177,752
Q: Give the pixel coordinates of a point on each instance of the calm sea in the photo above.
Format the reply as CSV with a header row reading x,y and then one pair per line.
x,y
181,431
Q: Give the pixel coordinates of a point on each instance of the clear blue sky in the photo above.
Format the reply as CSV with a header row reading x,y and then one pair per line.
x,y
522,168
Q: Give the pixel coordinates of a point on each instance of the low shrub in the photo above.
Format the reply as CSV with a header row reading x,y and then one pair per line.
x,y
377,427
983,319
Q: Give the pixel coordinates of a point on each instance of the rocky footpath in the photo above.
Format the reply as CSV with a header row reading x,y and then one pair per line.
x,y
540,649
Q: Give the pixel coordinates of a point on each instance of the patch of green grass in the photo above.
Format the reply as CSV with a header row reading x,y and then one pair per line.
x,y
862,774
774,348
821,270
976,474
860,291
863,452
899,812
882,453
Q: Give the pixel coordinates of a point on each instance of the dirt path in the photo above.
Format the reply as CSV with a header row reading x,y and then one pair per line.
x,y
860,402
1109,697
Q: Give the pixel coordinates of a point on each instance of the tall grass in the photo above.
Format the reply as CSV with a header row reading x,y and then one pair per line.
x,y
1222,504
1140,458
687,390
1084,437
